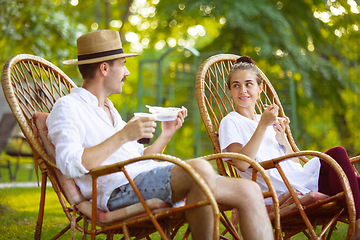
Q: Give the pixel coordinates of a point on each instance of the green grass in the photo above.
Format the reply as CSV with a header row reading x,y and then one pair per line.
x,y
25,170
18,216
19,211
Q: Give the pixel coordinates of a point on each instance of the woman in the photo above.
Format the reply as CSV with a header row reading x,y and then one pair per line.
x,y
262,137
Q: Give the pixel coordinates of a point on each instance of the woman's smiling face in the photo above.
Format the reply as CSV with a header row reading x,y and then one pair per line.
x,y
244,89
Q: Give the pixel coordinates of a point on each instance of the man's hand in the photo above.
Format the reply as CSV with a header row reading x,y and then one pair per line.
x,y
137,128
170,127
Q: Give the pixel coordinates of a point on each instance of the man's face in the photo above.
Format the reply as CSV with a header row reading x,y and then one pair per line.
x,y
117,76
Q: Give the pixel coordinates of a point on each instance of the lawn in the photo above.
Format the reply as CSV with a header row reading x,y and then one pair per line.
x,y
19,208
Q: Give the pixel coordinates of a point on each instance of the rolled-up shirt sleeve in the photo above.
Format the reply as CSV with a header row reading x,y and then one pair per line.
x,y
67,133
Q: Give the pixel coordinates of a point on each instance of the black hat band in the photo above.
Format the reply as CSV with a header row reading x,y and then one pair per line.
x,y
100,54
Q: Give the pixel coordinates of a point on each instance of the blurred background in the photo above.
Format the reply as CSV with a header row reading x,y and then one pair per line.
x,y
309,49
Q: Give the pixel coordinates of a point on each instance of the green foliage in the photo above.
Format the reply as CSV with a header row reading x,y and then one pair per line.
x,y
41,29
310,43
296,39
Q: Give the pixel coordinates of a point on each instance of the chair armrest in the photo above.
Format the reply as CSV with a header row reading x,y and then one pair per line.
x,y
355,159
342,177
256,168
116,167
274,163
253,164
112,168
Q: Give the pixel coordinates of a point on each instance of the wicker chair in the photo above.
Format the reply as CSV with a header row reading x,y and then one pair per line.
x,y
31,86
296,215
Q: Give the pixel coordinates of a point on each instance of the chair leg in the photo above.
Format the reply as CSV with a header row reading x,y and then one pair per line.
x,y
229,227
187,233
168,229
9,167
110,236
235,220
125,232
17,166
38,229
32,169
85,227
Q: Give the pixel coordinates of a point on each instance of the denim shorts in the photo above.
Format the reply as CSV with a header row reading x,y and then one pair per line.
x,y
151,184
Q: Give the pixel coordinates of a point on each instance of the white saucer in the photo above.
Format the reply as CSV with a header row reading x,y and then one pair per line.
x,y
161,114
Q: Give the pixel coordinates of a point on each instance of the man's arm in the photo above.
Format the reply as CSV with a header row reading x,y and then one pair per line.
x,y
135,129
168,130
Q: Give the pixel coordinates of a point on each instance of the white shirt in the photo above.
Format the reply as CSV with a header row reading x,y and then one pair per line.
x,y
235,128
77,122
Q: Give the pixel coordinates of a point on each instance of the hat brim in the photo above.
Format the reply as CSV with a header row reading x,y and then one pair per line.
x,y
96,60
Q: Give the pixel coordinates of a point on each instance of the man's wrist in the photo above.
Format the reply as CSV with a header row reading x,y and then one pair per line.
x,y
166,136
121,137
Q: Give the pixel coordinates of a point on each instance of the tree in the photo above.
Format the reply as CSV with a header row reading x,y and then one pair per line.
x,y
310,44
39,28
308,48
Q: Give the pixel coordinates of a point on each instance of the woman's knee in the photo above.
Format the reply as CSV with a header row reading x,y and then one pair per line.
x,y
336,152
339,154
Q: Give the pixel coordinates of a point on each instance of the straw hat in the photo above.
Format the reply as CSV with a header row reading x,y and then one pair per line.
x,y
99,46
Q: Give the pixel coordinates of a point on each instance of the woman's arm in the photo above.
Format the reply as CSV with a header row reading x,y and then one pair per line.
x,y
281,138
268,118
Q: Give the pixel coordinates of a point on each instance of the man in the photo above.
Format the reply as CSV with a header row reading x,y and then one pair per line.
x,y
88,132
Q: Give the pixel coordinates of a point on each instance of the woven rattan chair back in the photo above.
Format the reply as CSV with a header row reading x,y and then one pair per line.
x,y
215,103
31,86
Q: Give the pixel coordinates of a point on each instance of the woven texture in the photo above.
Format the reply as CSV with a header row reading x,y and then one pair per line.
x,y
298,214
31,86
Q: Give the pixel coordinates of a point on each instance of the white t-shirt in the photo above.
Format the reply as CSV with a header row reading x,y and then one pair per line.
x,y
77,122
235,128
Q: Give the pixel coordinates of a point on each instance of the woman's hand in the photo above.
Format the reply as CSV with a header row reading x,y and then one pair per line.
x,y
269,116
280,127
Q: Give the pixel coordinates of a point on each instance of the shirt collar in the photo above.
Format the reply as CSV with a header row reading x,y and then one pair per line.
x,y
88,97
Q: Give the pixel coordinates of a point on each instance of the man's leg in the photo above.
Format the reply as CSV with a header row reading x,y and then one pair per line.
x,y
245,195
201,220
154,183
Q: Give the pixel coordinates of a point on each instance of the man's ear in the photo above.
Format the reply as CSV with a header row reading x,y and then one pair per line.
x,y
104,68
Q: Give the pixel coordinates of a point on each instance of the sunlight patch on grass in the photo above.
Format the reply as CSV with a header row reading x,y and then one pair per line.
x,y
28,199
